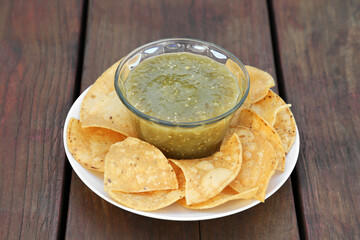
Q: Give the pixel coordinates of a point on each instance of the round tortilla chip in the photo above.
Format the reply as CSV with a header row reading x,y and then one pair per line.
x,y
260,83
102,107
207,177
89,146
259,163
224,196
137,166
286,128
250,119
269,106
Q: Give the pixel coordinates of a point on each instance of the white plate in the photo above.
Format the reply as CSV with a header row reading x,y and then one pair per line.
x,y
94,181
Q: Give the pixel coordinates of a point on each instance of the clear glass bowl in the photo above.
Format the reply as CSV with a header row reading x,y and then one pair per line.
x,y
182,140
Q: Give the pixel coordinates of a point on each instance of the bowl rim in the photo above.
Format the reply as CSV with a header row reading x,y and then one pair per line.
x,y
181,124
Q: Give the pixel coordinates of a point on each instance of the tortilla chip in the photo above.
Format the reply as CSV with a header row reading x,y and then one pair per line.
x,y
250,119
286,128
89,146
260,83
259,163
150,201
237,71
207,177
224,196
102,107
137,166
179,176
269,106
147,201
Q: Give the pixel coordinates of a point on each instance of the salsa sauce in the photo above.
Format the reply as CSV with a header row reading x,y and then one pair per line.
x,y
182,87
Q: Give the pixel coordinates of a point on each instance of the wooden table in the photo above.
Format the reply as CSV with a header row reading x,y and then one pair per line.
x,y
50,51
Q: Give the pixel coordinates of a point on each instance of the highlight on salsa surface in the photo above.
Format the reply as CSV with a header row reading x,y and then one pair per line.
x,y
141,176
182,94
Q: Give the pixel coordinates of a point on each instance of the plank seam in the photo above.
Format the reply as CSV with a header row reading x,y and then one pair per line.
x,y
64,205
199,230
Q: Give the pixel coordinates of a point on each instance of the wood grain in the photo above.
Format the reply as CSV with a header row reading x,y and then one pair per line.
x,y
117,27
319,44
38,60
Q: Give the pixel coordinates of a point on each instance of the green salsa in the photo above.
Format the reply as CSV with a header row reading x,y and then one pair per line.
x,y
182,87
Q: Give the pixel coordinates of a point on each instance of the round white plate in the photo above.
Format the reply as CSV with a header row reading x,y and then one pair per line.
x,y
94,181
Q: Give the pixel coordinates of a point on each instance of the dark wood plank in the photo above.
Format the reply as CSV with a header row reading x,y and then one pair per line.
x,y
114,29
319,44
250,40
38,60
117,27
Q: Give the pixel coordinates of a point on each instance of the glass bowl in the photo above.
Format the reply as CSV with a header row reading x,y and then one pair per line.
x,y
182,140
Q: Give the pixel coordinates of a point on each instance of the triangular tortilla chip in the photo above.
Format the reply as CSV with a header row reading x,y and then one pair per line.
x,y
207,177
260,83
102,107
286,127
137,166
239,74
259,163
89,146
150,201
250,119
269,106
179,176
224,196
